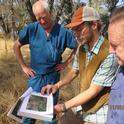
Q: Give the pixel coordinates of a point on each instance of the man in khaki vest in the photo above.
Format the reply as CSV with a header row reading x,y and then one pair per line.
x,y
97,70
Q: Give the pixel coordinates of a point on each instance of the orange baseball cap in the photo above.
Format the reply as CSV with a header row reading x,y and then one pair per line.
x,y
83,14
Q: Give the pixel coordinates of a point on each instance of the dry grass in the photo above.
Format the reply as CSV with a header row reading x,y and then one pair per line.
x,y
13,81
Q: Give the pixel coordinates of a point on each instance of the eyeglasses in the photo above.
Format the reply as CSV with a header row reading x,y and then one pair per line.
x,y
78,29
41,17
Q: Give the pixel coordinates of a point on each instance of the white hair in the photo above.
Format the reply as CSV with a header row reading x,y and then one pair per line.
x,y
43,3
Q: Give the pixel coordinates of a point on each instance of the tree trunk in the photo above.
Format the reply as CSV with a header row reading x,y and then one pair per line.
x,y
29,8
3,25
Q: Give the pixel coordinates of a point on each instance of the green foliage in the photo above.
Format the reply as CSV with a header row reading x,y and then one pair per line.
x,y
104,7
65,10
14,14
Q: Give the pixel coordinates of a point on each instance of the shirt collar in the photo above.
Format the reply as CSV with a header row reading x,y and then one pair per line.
x,y
96,46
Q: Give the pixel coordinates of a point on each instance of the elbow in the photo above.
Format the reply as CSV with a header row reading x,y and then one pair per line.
x,y
16,46
95,90
75,73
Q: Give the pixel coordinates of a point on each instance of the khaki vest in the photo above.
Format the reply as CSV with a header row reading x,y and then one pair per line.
x,y
87,73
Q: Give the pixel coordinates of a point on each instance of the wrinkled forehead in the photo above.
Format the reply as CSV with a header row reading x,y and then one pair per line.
x,y
116,28
116,32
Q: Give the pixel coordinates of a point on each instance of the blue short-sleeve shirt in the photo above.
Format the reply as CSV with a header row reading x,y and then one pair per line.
x,y
116,100
46,51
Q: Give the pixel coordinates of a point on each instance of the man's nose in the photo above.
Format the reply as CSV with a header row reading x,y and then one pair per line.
x,y
42,21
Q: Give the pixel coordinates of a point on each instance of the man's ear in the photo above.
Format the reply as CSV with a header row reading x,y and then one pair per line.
x,y
94,25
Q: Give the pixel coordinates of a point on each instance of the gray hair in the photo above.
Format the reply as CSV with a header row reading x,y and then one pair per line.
x,y
43,3
117,15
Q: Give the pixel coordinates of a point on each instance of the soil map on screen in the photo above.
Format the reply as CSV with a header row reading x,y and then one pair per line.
x,y
37,103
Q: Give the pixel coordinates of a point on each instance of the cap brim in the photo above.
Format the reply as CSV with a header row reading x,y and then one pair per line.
x,y
73,24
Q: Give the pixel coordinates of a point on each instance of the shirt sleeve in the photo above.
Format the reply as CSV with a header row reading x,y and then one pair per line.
x,y
71,40
105,75
24,35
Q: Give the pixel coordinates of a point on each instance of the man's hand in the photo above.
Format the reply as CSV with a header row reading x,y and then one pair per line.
x,y
49,89
28,71
58,108
64,64
61,66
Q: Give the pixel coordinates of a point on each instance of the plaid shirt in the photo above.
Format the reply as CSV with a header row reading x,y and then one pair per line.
x,y
104,76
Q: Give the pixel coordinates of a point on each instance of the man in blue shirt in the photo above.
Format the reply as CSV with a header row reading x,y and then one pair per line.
x,y
47,41
116,39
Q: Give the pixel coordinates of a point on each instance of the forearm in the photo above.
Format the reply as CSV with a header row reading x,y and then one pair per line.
x,y
67,79
83,97
18,54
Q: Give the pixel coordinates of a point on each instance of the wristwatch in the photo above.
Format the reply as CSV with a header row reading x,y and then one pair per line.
x,y
63,107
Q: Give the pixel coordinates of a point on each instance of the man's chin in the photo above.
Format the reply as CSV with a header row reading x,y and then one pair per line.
x,y
120,63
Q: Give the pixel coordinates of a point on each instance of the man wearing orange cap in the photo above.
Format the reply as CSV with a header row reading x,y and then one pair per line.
x,y
97,70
